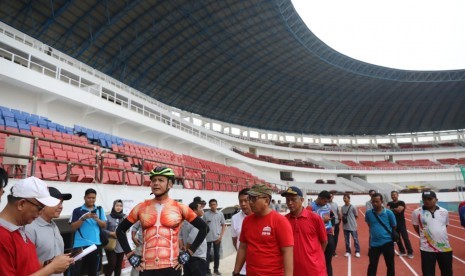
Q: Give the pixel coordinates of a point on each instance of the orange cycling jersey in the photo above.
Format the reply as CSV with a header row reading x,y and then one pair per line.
x,y
161,222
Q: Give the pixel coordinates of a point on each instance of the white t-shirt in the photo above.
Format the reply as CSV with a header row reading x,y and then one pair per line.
x,y
236,227
433,229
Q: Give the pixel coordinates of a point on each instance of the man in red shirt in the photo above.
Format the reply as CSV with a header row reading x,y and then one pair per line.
x,y
310,237
17,252
266,238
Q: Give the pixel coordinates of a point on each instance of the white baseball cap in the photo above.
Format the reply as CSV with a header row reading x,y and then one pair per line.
x,y
33,187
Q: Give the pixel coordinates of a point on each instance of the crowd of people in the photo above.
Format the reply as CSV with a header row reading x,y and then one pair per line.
x,y
175,239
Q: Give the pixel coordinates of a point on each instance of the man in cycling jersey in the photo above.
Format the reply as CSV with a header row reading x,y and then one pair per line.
x,y
161,219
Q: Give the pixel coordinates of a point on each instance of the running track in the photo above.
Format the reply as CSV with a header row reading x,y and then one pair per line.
x,y
404,266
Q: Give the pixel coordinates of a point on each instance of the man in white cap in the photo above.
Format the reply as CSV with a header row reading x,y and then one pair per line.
x,y
17,252
50,244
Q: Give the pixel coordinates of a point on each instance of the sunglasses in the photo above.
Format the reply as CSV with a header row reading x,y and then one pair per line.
x,y
39,207
254,198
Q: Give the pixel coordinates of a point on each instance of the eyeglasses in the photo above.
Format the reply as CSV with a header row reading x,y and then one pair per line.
x,y
254,198
39,207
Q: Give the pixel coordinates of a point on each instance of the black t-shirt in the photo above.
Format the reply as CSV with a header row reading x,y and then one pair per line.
x,y
399,216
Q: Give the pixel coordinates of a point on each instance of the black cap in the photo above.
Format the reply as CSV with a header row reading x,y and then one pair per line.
x,y
428,194
199,200
57,194
293,190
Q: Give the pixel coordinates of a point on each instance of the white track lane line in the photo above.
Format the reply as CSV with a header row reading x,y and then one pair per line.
x,y
401,258
349,265
405,262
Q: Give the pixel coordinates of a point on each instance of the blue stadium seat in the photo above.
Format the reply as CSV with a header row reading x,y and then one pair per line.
x,y
19,116
9,123
7,114
24,126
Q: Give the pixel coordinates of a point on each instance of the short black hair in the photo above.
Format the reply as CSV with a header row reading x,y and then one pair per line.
x,y
212,200
324,194
90,191
370,191
243,192
395,192
377,195
347,195
194,205
3,178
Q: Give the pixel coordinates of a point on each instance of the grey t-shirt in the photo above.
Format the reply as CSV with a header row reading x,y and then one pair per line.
x,y
335,209
187,235
352,213
215,222
47,238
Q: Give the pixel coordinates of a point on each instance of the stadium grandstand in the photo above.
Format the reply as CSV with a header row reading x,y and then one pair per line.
x,y
227,93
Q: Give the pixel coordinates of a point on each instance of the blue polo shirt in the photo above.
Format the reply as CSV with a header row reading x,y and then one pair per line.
x,y
89,232
378,235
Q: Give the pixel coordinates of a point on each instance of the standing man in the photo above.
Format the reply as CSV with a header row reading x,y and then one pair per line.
x,y
238,219
368,205
322,208
196,264
266,238
310,237
18,254
380,239
44,232
398,207
430,222
161,219
349,225
337,219
87,221
217,225
3,181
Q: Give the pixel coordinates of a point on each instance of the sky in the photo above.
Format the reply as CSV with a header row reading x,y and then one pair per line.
x,y
403,34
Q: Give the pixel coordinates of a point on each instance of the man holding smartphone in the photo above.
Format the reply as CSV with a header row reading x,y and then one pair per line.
x,y
87,221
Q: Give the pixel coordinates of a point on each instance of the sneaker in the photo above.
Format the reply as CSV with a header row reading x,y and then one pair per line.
x,y
217,273
334,255
209,273
410,256
403,254
357,254
347,254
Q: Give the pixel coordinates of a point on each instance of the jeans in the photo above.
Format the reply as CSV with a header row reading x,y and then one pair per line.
x,y
195,267
374,252
428,263
347,240
403,238
329,254
216,256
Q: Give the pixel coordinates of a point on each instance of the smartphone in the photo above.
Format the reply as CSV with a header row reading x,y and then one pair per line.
x,y
94,211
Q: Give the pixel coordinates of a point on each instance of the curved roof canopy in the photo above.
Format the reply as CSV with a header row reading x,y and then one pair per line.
x,y
252,63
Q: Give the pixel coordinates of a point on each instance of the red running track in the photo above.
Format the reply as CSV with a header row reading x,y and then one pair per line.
x,y
404,266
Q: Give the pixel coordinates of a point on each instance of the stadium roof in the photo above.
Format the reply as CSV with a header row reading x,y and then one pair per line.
x,y
252,63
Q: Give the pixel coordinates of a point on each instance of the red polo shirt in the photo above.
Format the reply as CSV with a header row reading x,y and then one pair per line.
x,y
309,231
17,252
